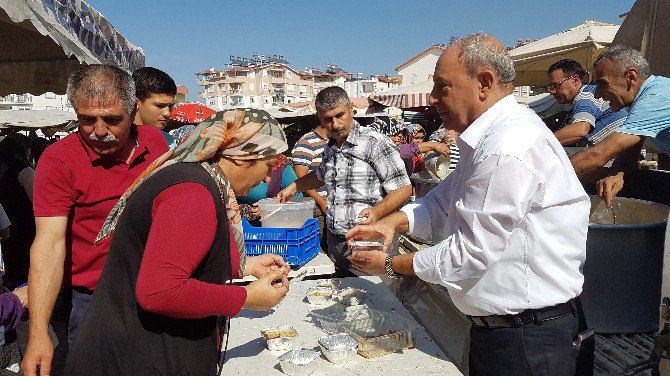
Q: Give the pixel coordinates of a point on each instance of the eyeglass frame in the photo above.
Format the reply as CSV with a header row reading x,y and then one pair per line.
x,y
554,86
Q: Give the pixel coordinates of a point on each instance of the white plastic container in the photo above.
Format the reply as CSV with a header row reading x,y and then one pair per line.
x,y
292,214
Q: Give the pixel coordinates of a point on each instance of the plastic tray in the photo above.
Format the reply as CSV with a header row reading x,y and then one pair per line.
x,y
296,245
378,333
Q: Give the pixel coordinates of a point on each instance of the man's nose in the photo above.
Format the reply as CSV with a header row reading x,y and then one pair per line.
x,y
432,99
100,128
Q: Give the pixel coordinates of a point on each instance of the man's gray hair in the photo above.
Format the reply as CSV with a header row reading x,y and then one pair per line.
x,y
101,82
480,51
330,97
625,58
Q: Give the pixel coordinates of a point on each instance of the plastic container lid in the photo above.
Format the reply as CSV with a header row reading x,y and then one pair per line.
x,y
291,214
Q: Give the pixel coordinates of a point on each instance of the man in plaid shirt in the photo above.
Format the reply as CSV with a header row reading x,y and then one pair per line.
x,y
364,176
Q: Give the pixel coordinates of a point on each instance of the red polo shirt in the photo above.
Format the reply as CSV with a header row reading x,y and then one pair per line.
x,y
73,181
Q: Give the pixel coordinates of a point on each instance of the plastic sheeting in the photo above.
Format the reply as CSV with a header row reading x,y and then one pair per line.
x,y
46,40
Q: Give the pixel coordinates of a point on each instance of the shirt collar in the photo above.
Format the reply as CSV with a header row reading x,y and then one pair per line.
x,y
644,86
140,139
352,138
474,132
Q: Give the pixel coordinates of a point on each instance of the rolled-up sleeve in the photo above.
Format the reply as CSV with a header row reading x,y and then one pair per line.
x,y
489,209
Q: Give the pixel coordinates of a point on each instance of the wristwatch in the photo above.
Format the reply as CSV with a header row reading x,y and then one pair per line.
x,y
389,269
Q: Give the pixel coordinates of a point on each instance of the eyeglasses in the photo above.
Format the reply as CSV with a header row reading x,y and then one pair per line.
x,y
555,85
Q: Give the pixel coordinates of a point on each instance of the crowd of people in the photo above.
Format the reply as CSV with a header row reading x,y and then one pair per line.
x,y
138,232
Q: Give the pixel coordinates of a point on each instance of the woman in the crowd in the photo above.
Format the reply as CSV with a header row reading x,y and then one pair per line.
x,y
409,150
282,175
16,196
177,241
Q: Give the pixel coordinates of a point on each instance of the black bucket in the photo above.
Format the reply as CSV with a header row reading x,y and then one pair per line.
x,y
624,265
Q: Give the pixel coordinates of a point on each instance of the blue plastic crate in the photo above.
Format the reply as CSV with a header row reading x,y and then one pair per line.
x,y
296,245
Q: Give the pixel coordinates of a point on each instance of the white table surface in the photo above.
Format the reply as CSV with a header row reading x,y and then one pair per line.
x,y
247,354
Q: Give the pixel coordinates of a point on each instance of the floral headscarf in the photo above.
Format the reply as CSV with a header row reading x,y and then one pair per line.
x,y
244,134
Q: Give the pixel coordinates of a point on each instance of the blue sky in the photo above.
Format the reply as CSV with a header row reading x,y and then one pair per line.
x,y
372,37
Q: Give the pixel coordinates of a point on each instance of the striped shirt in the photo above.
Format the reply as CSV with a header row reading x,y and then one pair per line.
x,y
358,175
597,112
308,151
454,154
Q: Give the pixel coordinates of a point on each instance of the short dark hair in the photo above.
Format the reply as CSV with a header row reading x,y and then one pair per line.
x,y
570,68
149,80
330,98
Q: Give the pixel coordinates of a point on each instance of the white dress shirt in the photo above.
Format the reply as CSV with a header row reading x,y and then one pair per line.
x,y
513,217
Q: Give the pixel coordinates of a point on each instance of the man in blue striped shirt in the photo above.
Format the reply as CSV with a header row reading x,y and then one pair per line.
x,y
591,119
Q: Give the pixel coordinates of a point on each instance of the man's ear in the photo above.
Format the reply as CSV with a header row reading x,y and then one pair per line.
x,y
486,80
632,77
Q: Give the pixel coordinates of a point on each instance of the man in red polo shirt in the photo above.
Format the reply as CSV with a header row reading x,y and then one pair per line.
x,y
78,181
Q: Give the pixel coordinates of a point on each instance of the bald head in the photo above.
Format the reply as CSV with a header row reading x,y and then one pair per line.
x,y
479,51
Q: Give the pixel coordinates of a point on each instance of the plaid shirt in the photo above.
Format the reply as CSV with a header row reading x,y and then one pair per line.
x,y
358,175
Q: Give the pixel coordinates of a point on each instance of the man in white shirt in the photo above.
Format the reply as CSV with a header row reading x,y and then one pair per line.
x,y
513,217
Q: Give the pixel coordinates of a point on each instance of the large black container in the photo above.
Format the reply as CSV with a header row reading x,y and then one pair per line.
x,y
624,263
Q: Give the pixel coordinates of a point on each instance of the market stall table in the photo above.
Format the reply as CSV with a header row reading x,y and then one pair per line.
x,y
247,354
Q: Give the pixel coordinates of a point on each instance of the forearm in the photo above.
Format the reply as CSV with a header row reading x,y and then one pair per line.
x,y
45,279
393,201
308,182
589,162
403,264
572,133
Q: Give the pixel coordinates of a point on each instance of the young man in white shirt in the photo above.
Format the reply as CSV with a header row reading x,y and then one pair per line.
x,y
513,217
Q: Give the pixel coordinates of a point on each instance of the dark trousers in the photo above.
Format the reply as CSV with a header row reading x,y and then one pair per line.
x,y
547,348
81,302
338,250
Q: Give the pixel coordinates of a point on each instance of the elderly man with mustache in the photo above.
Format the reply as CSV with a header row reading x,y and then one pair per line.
x,y
78,181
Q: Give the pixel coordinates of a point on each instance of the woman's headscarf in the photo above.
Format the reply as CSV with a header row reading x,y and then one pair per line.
x,y
244,134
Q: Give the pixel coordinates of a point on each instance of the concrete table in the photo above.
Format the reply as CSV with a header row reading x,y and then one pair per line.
x,y
247,354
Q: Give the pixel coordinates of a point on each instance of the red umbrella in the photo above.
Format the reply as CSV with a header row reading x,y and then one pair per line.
x,y
191,113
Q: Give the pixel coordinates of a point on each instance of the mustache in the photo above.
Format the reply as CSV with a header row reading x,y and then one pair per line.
x,y
108,138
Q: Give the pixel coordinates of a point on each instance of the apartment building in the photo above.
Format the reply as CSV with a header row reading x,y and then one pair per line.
x,y
262,85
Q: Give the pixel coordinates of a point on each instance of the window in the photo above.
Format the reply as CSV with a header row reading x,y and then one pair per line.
x,y
289,74
252,74
303,89
290,88
252,100
265,86
265,73
223,87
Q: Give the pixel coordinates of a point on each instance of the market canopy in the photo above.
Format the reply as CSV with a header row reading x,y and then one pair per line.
x,y
582,43
406,97
54,120
647,29
43,41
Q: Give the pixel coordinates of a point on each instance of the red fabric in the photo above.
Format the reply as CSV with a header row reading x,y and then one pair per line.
x,y
72,180
182,232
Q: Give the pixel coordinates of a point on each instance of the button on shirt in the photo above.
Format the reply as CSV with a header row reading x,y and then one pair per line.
x,y
513,217
358,175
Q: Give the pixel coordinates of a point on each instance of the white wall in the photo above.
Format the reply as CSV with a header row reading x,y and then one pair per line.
x,y
420,70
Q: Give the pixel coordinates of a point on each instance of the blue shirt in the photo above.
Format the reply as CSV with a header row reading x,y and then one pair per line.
x,y
597,112
260,191
649,115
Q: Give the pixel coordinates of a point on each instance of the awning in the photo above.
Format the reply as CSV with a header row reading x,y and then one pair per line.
x,y
43,41
406,97
582,43
63,120
647,29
